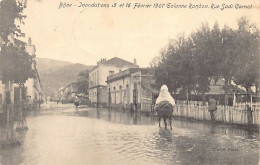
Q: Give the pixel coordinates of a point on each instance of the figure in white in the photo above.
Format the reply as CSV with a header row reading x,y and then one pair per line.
x,y
165,96
164,106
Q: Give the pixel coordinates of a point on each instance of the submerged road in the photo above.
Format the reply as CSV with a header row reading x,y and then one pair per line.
x,y
63,135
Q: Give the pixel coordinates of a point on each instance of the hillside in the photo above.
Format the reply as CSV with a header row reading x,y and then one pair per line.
x,y
45,65
55,74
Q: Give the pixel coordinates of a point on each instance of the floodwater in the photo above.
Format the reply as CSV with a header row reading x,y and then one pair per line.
x,y
63,135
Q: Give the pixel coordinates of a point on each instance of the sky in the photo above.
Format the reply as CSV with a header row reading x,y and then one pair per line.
x,y
85,35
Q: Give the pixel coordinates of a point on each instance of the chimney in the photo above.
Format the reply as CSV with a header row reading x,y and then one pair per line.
x,y
135,61
102,60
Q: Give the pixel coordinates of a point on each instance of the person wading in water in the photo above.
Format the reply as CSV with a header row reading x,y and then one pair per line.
x,y
212,108
164,105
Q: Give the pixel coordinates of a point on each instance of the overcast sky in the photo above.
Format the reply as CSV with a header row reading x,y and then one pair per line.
x,y
84,36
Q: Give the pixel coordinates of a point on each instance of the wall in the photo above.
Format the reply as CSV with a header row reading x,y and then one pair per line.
x,y
125,97
146,99
99,75
144,93
93,81
102,98
104,72
98,94
30,88
93,95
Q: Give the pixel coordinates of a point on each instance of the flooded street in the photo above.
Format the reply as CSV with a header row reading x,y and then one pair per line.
x,y
61,134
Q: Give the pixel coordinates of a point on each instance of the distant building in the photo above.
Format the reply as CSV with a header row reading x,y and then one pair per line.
x,y
69,93
98,76
59,95
132,89
235,93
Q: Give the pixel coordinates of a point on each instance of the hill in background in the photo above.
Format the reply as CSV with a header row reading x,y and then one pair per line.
x,y
55,74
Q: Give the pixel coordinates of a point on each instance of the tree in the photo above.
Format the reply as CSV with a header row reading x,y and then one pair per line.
x,y
16,65
11,12
203,40
83,82
15,62
176,68
190,63
248,41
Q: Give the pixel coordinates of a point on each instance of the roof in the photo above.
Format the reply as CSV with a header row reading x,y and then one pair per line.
x,y
117,61
128,72
114,61
122,74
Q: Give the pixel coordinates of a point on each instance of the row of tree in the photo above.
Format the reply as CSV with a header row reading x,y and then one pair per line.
x,y
190,63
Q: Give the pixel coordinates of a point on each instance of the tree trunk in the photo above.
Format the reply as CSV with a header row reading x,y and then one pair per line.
x,y
21,108
20,102
9,113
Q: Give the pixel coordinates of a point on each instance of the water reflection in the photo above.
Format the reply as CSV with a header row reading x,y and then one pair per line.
x,y
137,118
65,135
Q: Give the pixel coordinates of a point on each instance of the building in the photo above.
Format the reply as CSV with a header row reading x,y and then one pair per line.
x,y
234,94
132,89
68,93
32,87
98,76
59,95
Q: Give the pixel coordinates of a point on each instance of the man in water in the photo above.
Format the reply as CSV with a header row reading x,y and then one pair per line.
x,y
212,108
164,96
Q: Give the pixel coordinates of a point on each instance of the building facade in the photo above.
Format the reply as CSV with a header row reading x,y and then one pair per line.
x,y
58,96
32,90
68,93
98,76
132,89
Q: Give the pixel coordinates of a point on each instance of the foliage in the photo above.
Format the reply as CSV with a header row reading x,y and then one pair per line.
x,y
83,82
10,12
248,71
190,63
15,65
15,62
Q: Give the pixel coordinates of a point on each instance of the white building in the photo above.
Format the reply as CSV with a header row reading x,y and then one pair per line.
x,y
32,87
132,88
98,76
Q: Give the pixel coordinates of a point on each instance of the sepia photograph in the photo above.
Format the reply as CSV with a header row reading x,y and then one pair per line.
x,y
121,82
